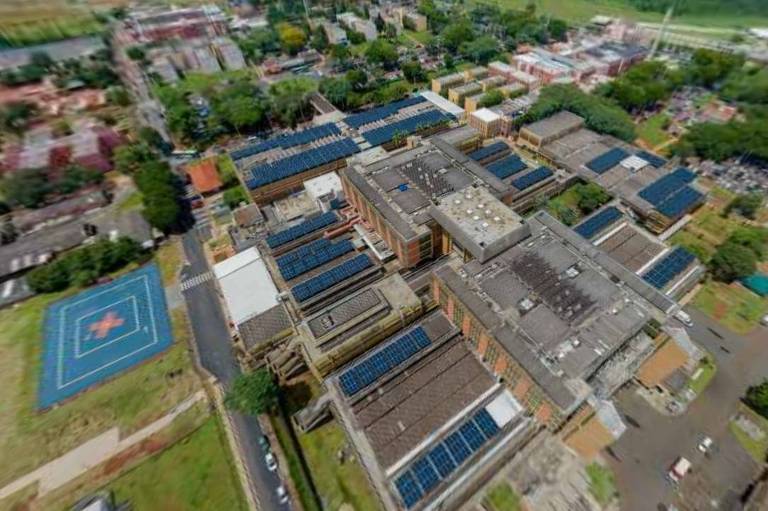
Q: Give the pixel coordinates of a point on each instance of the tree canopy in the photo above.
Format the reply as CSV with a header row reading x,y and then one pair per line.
x,y
383,53
253,394
292,38
757,398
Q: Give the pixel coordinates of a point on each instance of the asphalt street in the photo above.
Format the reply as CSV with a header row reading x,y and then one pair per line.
x,y
643,455
212,338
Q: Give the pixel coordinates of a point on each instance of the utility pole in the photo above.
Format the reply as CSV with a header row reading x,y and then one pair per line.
x,y
662,30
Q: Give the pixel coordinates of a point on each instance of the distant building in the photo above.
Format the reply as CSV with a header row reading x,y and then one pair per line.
x,y
335,34
486,121
229,53
204,176
353,22
161,24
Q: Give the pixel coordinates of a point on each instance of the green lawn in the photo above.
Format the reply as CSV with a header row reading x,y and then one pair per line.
x,y
708,370
697,246
652,130
29,438
502,497
422,37
130,203
756,448
195,474
734,306
601,483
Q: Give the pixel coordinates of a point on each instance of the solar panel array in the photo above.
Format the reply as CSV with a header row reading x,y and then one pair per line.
x,y
489,150
302,229
275,171
531,178
679,202
288,140
669,267
507,166
364,373
445,458
302,251
656,161
315,259
379,136
382,112
323,281
607,160
591,226
658,191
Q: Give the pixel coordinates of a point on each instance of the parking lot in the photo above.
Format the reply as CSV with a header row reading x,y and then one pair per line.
x,y
643,455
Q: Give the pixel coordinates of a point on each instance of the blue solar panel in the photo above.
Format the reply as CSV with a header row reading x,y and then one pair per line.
x,y
366,372
598,222
287,140
607,160
669,267
330,278
680,202
507,166
445,458
486,423
531,178
381,112
379,136
295,255
441,460
656,161
302,229
408,489
314,259
271,172
489,150
661,189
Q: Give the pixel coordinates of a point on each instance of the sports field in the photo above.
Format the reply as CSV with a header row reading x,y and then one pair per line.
x,y
100,332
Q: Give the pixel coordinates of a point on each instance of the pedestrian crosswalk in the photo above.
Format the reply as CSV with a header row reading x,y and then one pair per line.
x,y
196,280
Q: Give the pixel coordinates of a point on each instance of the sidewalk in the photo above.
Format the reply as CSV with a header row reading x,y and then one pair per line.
x,y
92,453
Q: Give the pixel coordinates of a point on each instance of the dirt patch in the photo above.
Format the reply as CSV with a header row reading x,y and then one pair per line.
x,y
720,310
148,447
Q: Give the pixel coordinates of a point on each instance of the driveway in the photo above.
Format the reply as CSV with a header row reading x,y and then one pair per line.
x,y
652,442
214,345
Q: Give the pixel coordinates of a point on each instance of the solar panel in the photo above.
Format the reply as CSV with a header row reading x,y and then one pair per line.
x,y
384,134
486,423
607,160
441,460
472,435
302,229
314,259
598,222
425,473
661,189
408,489
287,140
295,255
372,368
507,166
669,267
381,112
654,160
330,278
680,202
489,150
531,178
458,448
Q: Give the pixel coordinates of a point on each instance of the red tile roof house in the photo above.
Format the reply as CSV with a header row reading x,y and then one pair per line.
x,y
204,177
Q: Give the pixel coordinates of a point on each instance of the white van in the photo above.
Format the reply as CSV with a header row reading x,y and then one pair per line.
x,y
679,469
684,318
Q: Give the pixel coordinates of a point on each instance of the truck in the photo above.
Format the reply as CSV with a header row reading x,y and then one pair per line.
x,y
679,468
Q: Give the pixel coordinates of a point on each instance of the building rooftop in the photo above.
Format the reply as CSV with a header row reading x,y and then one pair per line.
x,y
403,186
204,176
443,104
479,221
486,115
238,277
555,124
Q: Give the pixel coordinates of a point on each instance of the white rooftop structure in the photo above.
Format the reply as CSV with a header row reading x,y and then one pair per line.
x,y
443,104
247,286
322,185
485,115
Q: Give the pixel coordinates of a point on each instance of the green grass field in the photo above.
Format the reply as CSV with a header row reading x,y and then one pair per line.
x,y
652,130
502,497
422,37
734,306
708,370
756,448
29,438
602,484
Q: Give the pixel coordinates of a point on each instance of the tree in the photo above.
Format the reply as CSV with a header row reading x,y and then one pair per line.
x,y
16,115
747,205
337,91
129,158
480,50
290,99
26,187
757,398
41,59
491,98
753,238
319,39
383,53
413,72
590,197
118,95
253,394
732,261
457,33
340,54
292,38
136,53
357,79
708,67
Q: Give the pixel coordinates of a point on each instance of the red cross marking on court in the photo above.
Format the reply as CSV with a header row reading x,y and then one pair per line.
x,y
107,323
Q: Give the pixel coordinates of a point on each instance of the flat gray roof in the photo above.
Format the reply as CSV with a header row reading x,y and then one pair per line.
x,y
555,124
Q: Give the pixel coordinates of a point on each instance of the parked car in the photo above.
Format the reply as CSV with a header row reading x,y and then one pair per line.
x,y
678,470
271,462
282,494
264,443
705,445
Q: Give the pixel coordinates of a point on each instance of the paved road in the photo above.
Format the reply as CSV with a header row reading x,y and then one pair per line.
x,y
653,441
215,348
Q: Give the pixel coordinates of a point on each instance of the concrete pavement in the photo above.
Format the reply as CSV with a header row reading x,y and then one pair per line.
x,y
652,442
214,347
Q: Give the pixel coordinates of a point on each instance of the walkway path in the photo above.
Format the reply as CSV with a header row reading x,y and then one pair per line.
x,y
92,453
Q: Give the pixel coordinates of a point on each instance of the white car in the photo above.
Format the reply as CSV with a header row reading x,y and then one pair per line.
x,y
705,445
282,494
271,462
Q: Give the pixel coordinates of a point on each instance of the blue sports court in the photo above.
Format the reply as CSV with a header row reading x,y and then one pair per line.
x,y
100,332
